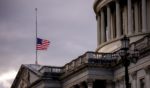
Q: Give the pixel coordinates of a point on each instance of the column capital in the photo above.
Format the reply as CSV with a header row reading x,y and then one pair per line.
x,y
134,75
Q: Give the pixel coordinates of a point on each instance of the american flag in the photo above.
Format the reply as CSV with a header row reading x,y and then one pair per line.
x,y
42,44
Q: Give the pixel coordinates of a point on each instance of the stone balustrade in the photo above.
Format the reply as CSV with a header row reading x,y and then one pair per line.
x,y
87,58
51,69
95,58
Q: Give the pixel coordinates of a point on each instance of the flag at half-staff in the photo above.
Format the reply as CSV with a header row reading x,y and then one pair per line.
x,y
42,44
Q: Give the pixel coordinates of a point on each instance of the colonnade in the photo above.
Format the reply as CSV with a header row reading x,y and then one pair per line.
x,y
121,17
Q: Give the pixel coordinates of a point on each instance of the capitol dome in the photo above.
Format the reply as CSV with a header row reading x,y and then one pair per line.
x,y
116,18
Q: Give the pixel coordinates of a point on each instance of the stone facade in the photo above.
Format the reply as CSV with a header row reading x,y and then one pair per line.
x,y
102,68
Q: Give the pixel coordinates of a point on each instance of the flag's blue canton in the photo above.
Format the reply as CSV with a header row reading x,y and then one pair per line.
x,y
39,41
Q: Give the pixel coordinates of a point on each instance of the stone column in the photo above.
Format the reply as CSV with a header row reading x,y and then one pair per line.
x,y
130,19
103,35
108,23
113,25
144,23
125,20
136,18
133,79
98,30
147,77
89,83
118,19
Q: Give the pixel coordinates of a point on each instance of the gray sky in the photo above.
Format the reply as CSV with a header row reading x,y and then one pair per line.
x,y
70,25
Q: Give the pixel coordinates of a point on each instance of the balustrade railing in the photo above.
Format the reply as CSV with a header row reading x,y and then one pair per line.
x,y
91,58
51,69
87,58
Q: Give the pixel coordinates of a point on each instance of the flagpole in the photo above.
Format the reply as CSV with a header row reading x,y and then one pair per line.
x,y
36,58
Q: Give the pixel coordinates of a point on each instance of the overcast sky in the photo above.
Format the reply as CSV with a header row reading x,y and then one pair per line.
x,y
70,25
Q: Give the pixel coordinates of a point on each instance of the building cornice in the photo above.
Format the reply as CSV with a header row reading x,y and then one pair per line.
x,y
118,39
98,4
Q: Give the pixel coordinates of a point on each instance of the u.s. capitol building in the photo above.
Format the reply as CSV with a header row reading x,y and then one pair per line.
x,y
103,68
